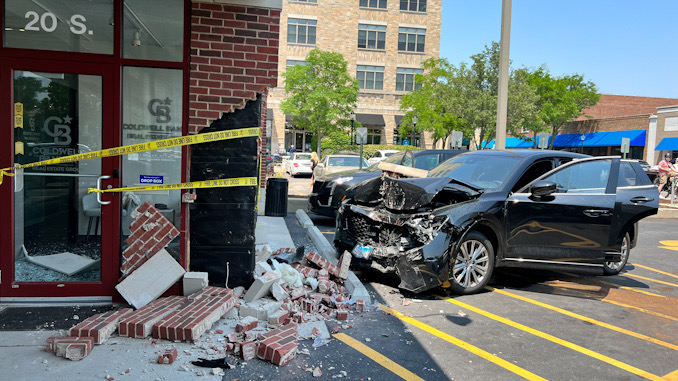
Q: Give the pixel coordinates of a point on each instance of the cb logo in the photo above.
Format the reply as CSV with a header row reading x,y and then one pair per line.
x,y
160,109
61,133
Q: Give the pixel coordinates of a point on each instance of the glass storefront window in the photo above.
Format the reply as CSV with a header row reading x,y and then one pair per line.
x,y
56,222
84,26
153,30
151,110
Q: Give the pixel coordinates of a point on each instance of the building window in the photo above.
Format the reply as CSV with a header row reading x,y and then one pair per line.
x,y
411,39
370,77
373,4
291,63
373,136
372,37
301,31
413,5
405,79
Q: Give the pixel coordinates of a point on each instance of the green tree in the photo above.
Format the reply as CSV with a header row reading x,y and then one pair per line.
x,y
476,88
561,99
320,94
436,102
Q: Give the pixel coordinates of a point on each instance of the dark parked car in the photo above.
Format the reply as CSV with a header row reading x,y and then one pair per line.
x,y
328,191
487,209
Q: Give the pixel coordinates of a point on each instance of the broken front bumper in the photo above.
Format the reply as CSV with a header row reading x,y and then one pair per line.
x,y
420,268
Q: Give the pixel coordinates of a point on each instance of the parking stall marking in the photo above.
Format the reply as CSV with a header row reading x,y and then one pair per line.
x,y
673,376
616,285
464,345
655,270
669,245
557,340
377,357
658,314
650,279
586,319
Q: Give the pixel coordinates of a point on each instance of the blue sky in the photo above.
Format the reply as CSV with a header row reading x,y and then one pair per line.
x,y
625,47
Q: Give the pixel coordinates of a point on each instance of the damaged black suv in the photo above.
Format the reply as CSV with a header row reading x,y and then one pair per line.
x,y
487,209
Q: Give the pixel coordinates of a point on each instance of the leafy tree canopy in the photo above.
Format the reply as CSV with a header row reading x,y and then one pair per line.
x,y
320,94
561,99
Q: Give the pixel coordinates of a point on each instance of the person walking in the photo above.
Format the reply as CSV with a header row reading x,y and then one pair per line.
x,y
666,171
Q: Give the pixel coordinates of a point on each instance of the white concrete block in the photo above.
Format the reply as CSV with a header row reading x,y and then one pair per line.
x,y
150,280
356,289
303,218
195,281
262,286
306,330
320,242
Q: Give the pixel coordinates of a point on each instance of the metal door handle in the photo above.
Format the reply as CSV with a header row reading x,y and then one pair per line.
x,y
99,187
641,199
596,212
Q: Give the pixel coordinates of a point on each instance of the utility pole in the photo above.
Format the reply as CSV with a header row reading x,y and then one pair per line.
x,y
502,96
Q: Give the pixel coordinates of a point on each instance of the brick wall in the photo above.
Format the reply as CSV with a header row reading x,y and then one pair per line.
x,y
610,106
234,56
149,233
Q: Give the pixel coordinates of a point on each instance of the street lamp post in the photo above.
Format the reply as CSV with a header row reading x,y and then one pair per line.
x,y
414,121
582,137
352,117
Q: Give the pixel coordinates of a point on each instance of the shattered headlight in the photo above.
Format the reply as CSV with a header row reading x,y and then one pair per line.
x,y
342,180
425,228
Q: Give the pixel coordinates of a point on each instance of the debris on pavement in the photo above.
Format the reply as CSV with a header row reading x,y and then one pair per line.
x,y
286,303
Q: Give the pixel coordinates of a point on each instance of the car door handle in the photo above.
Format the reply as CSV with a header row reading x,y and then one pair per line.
x,y
597,212
641,199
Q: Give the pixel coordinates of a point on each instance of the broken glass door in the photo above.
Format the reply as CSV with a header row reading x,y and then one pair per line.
x,y
57,223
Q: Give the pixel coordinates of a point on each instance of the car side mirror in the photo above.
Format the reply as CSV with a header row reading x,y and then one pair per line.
x,y
542,188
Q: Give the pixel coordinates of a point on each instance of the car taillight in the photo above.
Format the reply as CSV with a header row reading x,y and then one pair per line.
x,y
296,164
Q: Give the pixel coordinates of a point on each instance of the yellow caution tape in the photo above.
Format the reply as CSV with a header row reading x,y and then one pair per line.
x,y
141,147
221,183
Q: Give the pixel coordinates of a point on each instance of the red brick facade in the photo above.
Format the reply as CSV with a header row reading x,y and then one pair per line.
x,y
234,57
612,106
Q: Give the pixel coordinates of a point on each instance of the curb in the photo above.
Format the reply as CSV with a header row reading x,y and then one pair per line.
x,y
352,283
303,218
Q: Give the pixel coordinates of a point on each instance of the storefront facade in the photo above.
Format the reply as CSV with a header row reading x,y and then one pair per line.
x,y
79,76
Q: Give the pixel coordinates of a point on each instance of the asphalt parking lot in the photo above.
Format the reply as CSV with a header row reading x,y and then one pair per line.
x,y
532,324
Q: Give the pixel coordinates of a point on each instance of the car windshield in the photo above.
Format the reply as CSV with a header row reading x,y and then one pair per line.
x,y
395,158
303,157
483,171
345,161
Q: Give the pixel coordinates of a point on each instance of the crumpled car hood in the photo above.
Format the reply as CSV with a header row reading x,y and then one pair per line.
x,y
405,194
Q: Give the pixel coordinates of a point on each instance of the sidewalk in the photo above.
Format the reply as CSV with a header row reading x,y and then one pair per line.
x,y
23,355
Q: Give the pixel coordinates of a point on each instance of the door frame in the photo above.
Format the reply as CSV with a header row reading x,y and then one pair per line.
x,y
110,214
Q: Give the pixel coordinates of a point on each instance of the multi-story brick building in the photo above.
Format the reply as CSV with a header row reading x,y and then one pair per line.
x,y
384,43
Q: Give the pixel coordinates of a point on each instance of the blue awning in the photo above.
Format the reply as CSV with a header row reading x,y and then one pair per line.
x,y
513,142
668,144
601,139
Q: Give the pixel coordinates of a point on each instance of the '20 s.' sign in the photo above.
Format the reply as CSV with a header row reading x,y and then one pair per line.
x,y
48,22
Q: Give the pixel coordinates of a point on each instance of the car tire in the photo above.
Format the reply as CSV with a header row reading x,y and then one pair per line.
x,y
614,268
474,263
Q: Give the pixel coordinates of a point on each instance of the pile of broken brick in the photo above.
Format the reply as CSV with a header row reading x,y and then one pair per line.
x,y
287,302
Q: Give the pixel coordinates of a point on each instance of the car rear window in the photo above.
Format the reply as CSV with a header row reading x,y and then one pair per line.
x,y
303,157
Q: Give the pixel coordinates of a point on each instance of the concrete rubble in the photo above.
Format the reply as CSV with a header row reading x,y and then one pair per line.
x,y
286,303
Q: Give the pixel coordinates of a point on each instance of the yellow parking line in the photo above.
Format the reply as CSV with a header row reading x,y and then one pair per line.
x,y
642,310
557,340
618,286
655,270
651,280
673,376
464,345
586,319
377,357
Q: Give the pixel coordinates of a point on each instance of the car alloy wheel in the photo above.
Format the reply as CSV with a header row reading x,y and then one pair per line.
x,y
614,268
473,265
